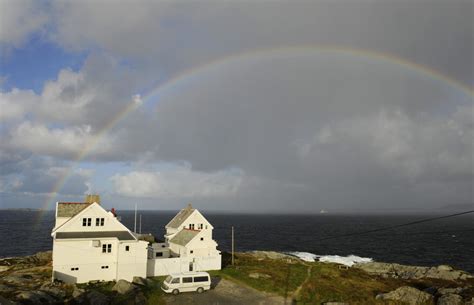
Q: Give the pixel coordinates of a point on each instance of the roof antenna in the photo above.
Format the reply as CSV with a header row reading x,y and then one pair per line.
x,y
135,225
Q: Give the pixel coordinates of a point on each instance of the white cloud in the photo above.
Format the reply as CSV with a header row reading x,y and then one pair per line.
x,y
16,103
40,139
19,19
180,182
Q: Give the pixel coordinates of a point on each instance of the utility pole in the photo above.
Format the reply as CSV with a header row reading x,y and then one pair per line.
x,y
140,230
135,225
232,245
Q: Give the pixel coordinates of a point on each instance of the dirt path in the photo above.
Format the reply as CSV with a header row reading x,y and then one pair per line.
x,y
226,292
308,276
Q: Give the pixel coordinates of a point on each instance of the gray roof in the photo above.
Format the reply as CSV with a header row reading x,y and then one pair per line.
x,y
121,235
178,220
69,209
184,236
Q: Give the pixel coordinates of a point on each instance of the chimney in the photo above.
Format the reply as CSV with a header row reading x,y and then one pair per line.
x,y
92,198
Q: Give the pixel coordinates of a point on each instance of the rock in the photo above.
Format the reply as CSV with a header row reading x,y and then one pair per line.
x,y
4,301
5,288
450,299
35,297
409,295
4,268
140,299
44,257
442,272
443,291
431,290
257,275
97,298
77,292
271,255
123,287
139,281
55,291
444,268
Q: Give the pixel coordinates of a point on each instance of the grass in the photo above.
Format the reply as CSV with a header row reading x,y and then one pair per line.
x,y
328,283
283,277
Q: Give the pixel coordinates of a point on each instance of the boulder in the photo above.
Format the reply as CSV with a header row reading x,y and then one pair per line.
x,y
77,292
55,291
450,299
4,268
139,281
123,287
44,257
140,299
97,298
456,290
442,272
408,295
35,297
4,301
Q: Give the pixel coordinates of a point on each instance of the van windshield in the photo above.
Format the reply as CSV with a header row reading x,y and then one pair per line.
x,y
168,279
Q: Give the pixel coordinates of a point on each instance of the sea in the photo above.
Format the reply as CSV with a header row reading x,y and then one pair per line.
x,y
443,241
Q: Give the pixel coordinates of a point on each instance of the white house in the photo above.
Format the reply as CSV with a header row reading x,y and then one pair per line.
x,y
90,243
188,246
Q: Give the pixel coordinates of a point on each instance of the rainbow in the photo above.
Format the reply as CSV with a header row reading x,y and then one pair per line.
x,y
176,82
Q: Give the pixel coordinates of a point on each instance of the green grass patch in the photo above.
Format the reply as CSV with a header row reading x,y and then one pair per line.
x,y
329,283
276,275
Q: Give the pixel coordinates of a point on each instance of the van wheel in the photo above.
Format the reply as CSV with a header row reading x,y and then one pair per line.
x,y
200,290
175,292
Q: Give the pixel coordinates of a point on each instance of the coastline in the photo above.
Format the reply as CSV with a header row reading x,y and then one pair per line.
x,y
260,274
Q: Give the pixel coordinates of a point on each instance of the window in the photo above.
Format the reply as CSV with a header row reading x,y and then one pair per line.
x,y
201,279
159,254
127,248
106,248
102,221
187,279
191,226
89,222
206,227
175,281
97,222
200,226
84,222
105,267
191,251
190,267
74,269
202,238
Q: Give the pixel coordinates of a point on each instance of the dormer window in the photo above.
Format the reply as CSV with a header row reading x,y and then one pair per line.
x,y
191,226
200,226
99,222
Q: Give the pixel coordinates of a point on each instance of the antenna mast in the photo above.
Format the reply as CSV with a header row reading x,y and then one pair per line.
x,y
135,225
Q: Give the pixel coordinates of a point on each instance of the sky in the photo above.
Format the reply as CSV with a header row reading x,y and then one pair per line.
x,y
244,106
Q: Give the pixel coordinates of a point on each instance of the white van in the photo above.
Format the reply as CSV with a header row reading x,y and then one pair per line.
x,y
190,281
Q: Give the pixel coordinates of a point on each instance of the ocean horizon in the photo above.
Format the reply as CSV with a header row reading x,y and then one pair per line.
x,y
444,241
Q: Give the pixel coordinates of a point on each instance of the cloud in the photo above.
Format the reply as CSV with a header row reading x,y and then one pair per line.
x,y
27,174
172,37
16,104
20,19
180,182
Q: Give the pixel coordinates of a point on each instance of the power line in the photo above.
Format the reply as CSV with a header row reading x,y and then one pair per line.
x,y
396,226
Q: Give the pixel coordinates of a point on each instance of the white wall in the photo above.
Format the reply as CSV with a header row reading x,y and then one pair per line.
x,y
159,267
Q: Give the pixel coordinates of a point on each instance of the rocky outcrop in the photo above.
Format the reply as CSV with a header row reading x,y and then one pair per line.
x,y
123,287
408,295
450,299
442,272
